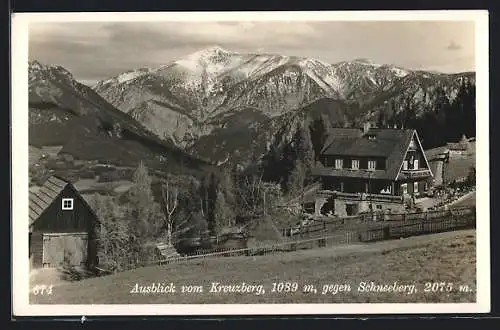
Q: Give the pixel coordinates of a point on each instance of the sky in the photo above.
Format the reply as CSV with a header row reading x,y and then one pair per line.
x,y
94,51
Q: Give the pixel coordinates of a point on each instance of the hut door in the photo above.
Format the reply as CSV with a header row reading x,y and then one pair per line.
x,y
61,249
53,251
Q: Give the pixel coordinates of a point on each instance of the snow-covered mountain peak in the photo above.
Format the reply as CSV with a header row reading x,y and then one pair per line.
x,y
208,54
124,77
205,58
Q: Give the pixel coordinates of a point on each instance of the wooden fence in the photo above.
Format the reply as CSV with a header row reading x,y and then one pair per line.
x,y
432,222
341,232
365,222
288,246
453,220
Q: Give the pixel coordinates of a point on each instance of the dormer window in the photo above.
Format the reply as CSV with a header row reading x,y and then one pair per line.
x,y
67,204
413,145
371,137
339,163
355,164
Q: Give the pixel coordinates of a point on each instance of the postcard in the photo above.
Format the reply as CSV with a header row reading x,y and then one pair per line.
x,y
250,163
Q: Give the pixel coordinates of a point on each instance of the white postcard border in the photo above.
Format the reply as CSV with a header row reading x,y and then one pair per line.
x,y
19,132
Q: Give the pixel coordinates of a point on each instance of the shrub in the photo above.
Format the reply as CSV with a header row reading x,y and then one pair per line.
x,y
109,176
112,234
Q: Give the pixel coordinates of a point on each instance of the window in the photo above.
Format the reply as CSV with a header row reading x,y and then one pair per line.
x,y
404,188
339,163
67,203
415,187
372,164
355,164
351,209
405,165
329,161
386,190
379,207
415,164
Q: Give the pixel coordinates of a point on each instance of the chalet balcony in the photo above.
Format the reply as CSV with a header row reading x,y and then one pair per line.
x,y
360,196
415,174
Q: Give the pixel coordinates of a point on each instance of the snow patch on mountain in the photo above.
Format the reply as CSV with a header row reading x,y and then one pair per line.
x,y
128,76
122,78
400,73
197,90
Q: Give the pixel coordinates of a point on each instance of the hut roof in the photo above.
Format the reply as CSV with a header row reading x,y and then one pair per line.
x,y
41,199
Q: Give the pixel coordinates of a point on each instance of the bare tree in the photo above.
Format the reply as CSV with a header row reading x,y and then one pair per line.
x,y
251,195
169,205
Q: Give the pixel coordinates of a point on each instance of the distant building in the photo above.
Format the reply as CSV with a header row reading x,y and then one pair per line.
x,y
437,158
372,169
60,226
462,147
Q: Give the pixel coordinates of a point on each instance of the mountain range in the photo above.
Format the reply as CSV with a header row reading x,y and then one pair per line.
x,y
217,105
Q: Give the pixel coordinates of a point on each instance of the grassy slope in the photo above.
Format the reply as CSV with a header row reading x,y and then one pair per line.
x,y
458,168
469,200
447,257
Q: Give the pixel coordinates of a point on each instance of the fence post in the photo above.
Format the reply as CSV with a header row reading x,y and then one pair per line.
x,y
387,232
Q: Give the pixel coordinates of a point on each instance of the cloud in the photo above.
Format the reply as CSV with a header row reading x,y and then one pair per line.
x,y
453,46
98,50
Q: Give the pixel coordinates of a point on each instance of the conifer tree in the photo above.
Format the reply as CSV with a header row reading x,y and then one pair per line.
x,y
318,132
141,210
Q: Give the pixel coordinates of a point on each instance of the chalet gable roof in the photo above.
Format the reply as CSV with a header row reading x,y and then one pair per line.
x,y
390,144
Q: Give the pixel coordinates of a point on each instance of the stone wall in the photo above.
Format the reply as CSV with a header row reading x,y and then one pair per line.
x,y
364,206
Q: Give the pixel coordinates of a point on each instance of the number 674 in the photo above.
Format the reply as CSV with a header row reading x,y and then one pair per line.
x,y
42,289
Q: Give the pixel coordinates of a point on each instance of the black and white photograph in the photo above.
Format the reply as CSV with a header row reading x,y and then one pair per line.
x,y
218,163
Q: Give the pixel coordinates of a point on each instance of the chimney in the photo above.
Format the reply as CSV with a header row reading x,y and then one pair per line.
x,y
366,127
